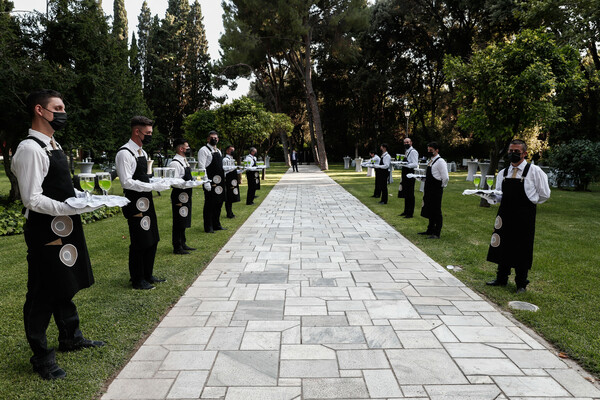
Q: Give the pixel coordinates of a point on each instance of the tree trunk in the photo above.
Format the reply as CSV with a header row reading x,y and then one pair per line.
x,y
14,184
313,140
314,106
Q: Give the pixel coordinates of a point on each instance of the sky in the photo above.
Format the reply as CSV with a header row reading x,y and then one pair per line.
x,y
213,24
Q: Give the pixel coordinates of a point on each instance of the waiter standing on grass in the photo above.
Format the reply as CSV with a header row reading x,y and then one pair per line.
x,y
58,263
253,177
232,179
210,159
382,173
435,181
407,186
132,166
181,199
523,186
375,161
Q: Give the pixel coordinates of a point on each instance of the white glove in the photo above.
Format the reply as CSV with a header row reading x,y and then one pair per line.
x,y
207,186
160,186
79,195
83,209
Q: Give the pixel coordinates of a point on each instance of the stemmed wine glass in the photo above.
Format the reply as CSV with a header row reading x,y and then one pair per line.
x,y
476,180
104,182
201,174
489,179
86,181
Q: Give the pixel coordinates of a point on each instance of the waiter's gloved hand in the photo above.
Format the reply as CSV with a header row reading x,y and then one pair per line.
x,y
84,209
160,186
207,186
79,195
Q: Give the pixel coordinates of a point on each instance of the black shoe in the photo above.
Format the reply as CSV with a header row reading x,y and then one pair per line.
x,y
50,371
179,251
433,237
250,204
231,216
382,202
220,228
424,233
209,231
521,290
375,196
80,344
143,285
186,247
154,279
402,215
496,282
256,196
408,216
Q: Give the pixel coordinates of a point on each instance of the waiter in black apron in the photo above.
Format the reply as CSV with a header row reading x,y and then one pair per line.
x,y
435,181
132,166
210,159
232,180
375,161
523,186
382,173
253,177
57,256
407,185
181,199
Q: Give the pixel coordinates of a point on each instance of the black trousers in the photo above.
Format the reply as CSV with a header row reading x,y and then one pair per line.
x,y
178,237
141,262
229,208
409,199
295,165
382,178
212,211
41,303
251,189
435,225
520,275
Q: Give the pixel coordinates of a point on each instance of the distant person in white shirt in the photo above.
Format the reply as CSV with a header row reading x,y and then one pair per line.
x,y
382,173
436,180
181,199
252,177
211,160
294,159
523,186
374,161
407,186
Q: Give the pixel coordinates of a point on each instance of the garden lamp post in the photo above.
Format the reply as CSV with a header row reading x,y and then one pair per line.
x,y
407,115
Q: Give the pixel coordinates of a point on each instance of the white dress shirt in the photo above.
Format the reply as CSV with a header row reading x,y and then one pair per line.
x,y
126,165
387,161
536,182
251,159
205,155
179,168
412,158
375,159
30,164
439,170
294,156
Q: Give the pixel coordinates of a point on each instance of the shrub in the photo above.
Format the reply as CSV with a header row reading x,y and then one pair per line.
x,y
578,160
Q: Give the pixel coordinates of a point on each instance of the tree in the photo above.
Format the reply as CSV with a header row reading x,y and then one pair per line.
x,y
281,126
578,160
511,86
243,123
196,127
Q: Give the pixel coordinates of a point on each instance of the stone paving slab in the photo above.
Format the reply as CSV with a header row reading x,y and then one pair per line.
x,y
316,297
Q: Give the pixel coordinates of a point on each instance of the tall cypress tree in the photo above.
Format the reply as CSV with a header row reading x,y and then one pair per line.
x,y
144,26
119,28
197,63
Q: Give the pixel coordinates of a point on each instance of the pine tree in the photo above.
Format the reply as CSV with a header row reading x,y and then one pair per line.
x,y
134,59
119,28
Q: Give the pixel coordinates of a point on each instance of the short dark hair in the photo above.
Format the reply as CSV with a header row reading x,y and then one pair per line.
x,y
433,145
41,97
384,145
372,151
213,133
179,142
519,141
140,120
227,148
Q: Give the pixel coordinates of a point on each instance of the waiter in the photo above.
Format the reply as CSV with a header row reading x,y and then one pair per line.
x,y
435,181
375,161
232,181
407,185
181,199
253,177
523,186
131,163
382,173
294,158
57,256
211,160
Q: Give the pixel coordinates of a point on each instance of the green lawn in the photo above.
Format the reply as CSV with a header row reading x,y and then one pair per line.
x,y
565,280
110,310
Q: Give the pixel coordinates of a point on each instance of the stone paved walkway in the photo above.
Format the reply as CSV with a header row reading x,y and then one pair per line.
x,y
316,297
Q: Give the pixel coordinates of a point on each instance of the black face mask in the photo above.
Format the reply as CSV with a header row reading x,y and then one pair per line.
x,y
188,152
407,146
514,157
146,140
59,121
430,153
213,141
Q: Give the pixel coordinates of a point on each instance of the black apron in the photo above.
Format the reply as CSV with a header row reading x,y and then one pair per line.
x,y
140,213
253,177
514,228
232,181
406,184
382,175
216,174
181,202
432,196
59,239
